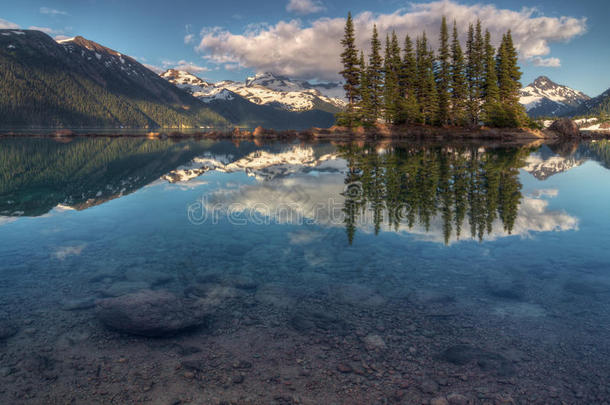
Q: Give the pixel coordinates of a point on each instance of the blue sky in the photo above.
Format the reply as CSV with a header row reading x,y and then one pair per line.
x,y
563,39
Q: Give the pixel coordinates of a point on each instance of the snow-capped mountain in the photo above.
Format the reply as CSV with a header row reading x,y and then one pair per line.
x,y
546,163
544,97
261,165
283,84
264,89
542,169
185,80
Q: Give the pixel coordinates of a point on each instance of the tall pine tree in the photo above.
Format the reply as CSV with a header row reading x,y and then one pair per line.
x,y
490,91
375,76
510,112
350,72
474,71
364,106
459,89
426,89
392,70
408,109
443,75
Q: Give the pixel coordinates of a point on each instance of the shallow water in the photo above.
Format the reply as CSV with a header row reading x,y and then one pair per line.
x,y
329,273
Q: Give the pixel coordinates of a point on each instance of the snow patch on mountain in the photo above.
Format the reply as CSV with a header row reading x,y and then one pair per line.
x,y
545,97
261,165
262,89
542,168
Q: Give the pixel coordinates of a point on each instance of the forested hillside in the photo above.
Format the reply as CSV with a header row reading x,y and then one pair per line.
x,y
79,83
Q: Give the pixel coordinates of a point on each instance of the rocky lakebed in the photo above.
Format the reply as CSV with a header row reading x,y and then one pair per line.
x,y
142,336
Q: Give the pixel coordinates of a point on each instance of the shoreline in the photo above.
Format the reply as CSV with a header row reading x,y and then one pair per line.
x,y
335,133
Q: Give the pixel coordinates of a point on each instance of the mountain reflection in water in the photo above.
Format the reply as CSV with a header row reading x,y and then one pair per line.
x,y
440,192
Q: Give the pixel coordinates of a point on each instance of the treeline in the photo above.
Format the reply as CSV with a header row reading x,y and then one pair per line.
x,y
409,185
412,84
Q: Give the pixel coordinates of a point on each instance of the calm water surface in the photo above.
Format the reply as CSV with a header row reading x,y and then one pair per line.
x,y
328,273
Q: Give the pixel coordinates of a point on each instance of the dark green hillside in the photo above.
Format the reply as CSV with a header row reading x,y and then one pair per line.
x,y
596,106
83,84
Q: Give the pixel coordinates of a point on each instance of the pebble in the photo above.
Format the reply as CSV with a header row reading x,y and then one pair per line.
x,y
344,368
457,399
429,387
374,342
439,401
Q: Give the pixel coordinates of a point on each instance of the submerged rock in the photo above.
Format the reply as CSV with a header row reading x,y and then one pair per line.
x,y
145,275
373,342
7,329
124,287
77,304
488,361
149,313
306,320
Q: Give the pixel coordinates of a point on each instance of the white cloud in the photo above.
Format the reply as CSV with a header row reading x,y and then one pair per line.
x,y
7,24
64,252
46,30
189,38
303,7
546,62
156,69
301,198
51,11
184,65
293,49
61,37
545,192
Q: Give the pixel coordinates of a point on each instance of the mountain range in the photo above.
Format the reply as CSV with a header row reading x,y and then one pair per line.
x,y
263,100
264,89
77,83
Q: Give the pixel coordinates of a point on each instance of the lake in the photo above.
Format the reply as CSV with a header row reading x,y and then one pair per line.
x,y
196,271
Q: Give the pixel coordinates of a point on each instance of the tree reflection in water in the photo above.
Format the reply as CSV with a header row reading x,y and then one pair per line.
x,y
409,185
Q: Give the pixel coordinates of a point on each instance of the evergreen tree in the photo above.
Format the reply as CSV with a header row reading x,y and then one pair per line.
x,y
392,69
509,112
459,88
474,71
350,72
375,76
491,91
426,83
364,105
443,75
408,109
